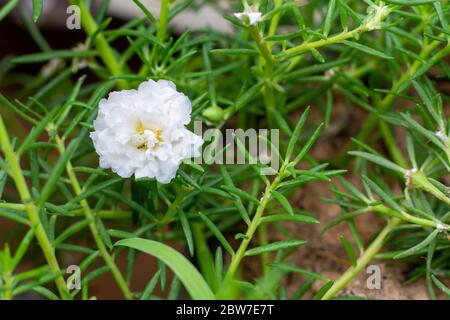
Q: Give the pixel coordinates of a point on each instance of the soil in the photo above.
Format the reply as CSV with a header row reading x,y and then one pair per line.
x,y
324,253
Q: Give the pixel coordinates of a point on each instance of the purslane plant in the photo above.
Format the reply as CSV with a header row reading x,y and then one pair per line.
x,y
421,214
283,57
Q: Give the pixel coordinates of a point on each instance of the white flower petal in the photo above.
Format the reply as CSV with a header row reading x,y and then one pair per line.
x,y
142,132
253,17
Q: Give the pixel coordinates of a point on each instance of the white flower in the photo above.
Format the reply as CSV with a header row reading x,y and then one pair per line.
x,y
142,132
253,16
381,12
441,135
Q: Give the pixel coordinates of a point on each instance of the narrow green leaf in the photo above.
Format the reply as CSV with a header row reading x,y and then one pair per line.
x,y
186,230
183,269
135,33
429,104
37,9
329,17
284,202
19,217
247,96
275,246
218,263
45,293
378,160
349,250
440,285
36,131
144,9
33,273
410,2
7,8
45,56
95,189
174,289
283,37
132,204
316,55
23,247
281,121
216,192
216,232
384,196
104,235
18,111
35,33
288,217
366,49
61,165
303,272
343,217
323,290
296,134
70,231
3,179
235,52
303,289
418,247
241,194
441,15
308,144
343,15
150,286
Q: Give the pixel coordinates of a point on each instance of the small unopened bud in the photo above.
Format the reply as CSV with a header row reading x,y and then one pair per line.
x,y
330,73
381,12
214,113
442,136
408,176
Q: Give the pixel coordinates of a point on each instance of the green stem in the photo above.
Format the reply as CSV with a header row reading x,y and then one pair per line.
x,y
266,64
173,207
392,146
102,46
363,260
31,209
8,278
103,214
256,220
324,42
13,206
160,33
274,22
204,257
372,24
162,22
404,216
262,235
389,99
261,44
395,219
93,227
108,214
420,180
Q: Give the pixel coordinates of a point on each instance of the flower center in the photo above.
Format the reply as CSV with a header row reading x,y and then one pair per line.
x,y
144,138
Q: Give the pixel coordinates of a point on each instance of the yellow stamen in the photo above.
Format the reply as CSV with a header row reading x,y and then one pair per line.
x,y
140,130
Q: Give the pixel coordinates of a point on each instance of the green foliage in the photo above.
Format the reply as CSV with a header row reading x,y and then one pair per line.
x,y
295,70
185,271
